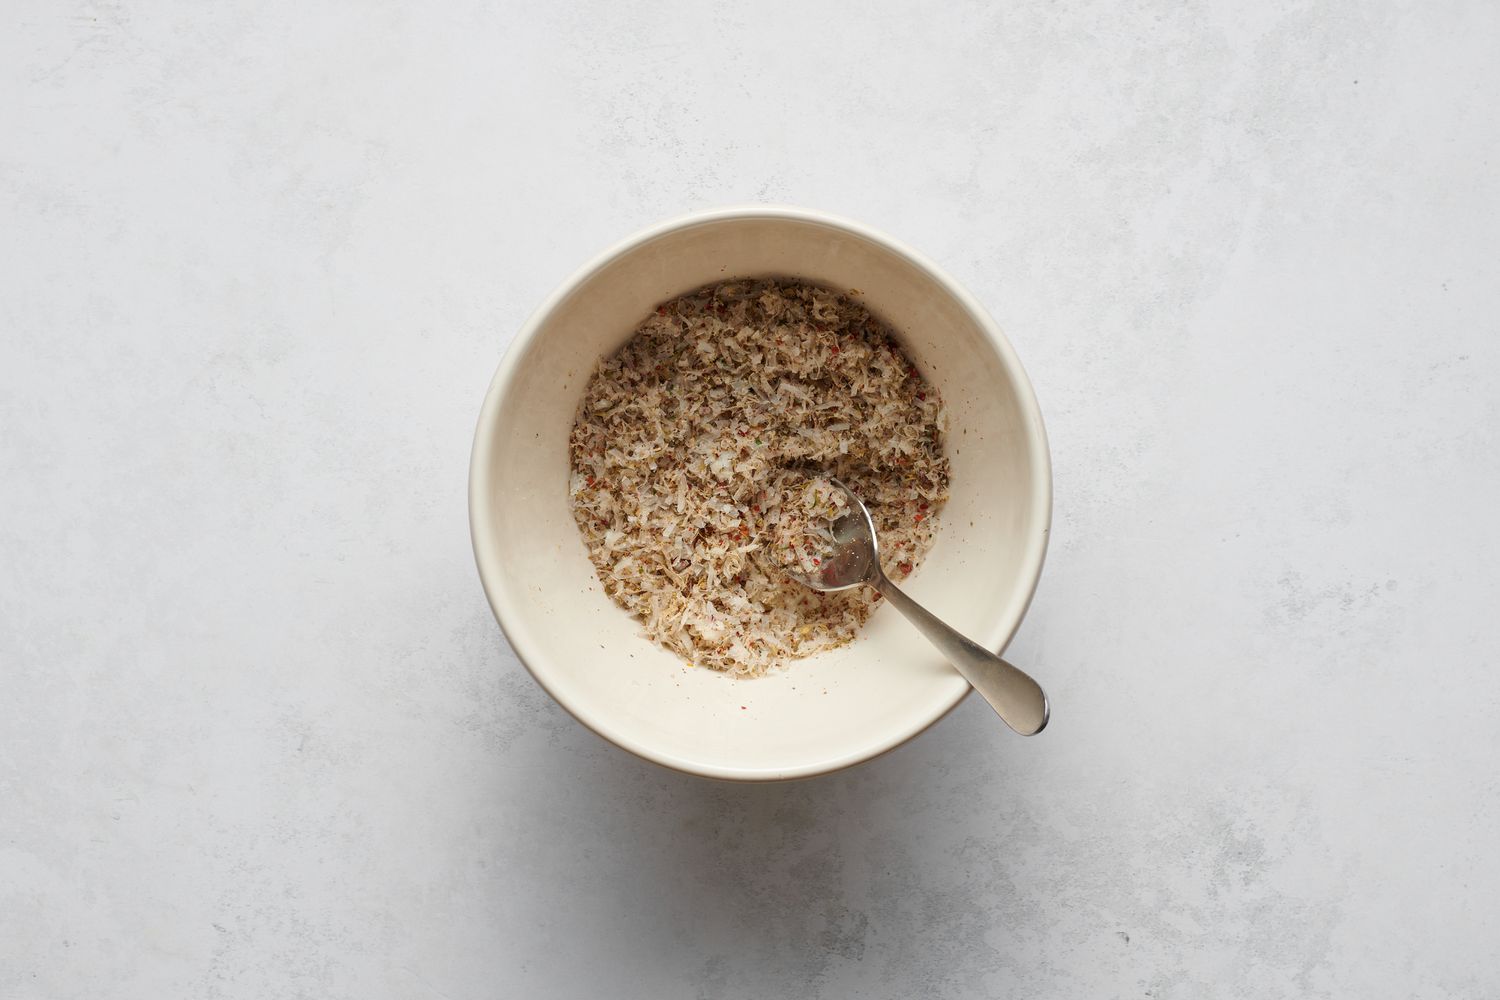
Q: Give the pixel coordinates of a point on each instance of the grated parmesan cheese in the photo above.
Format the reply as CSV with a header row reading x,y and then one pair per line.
x,y
698,457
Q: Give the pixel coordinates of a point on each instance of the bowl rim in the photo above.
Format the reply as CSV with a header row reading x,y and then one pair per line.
x,y
482,460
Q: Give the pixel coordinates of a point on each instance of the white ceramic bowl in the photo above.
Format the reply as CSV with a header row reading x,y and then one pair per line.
x,y
819,714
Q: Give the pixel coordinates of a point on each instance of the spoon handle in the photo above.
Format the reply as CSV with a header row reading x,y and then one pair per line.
x,y
1015,697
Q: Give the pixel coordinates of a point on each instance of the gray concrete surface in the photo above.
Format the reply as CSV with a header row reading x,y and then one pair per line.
x,y
259,736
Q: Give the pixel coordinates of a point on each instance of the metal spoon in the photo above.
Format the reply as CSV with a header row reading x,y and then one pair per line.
x,y
855,561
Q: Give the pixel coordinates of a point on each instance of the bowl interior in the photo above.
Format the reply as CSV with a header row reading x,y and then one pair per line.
x,y
823,712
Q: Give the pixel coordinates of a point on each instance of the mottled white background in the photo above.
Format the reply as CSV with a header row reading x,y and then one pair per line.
x,y
260,737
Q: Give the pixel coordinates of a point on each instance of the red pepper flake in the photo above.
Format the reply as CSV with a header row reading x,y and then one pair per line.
x,y
834,349
742,708
922,505
661,310
905,568
922,396
911,373
919,518
591,480
817,562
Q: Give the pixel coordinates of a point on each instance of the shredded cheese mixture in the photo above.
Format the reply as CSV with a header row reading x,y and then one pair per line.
x,y
698,453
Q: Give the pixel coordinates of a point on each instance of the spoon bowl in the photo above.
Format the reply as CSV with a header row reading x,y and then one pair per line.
x,y
855,556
